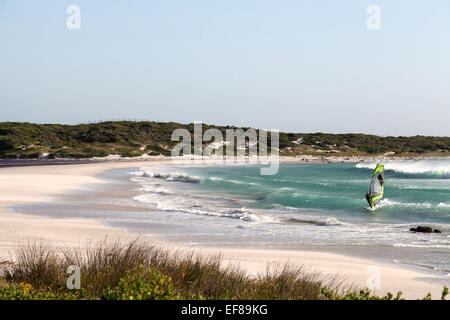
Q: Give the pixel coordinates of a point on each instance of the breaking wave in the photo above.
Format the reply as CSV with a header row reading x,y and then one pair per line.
x,y
174,176
232,181
390,203
178,204
433,167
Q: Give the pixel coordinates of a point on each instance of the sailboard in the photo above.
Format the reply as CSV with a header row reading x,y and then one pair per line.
x,y
376,191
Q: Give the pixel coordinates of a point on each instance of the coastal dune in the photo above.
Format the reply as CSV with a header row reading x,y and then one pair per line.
x,y
34,184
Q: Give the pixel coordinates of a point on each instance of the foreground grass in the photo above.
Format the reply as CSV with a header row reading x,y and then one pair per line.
x,y
141,271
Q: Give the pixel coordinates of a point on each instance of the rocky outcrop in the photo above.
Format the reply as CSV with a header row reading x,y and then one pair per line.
x,y
425,230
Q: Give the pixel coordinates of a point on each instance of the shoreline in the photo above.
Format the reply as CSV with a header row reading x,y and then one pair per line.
x,y
6,163
34,184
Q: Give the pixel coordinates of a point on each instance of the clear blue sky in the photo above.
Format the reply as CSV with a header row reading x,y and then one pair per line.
x,y
293,65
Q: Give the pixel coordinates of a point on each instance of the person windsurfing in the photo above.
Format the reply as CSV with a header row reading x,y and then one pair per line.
x,y
376,191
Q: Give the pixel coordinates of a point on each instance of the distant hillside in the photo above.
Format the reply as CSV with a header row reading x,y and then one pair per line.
x,y
131,139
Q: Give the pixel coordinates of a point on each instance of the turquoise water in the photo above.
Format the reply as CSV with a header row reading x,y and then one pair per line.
x,y
323,190
337,190
304,204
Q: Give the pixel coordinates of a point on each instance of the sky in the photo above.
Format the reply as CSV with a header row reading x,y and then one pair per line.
x,y
292,65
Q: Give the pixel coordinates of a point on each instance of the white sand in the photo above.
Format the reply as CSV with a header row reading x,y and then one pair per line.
x,y
19,185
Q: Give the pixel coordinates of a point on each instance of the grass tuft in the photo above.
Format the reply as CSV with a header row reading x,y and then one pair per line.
x,y
139,271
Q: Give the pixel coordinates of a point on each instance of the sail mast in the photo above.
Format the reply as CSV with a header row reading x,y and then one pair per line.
x,y
376,190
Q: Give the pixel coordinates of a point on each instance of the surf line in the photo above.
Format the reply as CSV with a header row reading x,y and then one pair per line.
x,y
193,310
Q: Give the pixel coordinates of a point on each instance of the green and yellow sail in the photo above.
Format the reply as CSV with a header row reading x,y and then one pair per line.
x,y
376,191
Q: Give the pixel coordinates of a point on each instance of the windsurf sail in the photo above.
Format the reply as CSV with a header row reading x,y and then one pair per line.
x,y
376,191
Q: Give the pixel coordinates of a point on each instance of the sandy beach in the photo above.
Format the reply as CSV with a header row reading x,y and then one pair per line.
x,y
38,184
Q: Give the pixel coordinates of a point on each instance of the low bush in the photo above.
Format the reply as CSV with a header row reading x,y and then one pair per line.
x,y
141,271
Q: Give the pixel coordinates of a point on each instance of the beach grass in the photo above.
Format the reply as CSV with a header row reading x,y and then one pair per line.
x,y
139,270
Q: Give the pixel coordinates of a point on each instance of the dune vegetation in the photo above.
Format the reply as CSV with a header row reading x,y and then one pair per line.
x,y
133,139
141,271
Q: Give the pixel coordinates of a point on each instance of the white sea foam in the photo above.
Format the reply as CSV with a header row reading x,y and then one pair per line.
x,y
412,167
286,189
387,203
391,203
168,176
203,207
233,181
154,189
410,245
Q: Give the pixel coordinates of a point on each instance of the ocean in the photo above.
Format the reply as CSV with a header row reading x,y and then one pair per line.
x,y
305,205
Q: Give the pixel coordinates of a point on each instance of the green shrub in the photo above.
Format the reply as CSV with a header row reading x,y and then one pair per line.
x,y
130,152
148,285
125,138
444,293
155,149
359,295
139,271
26,292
